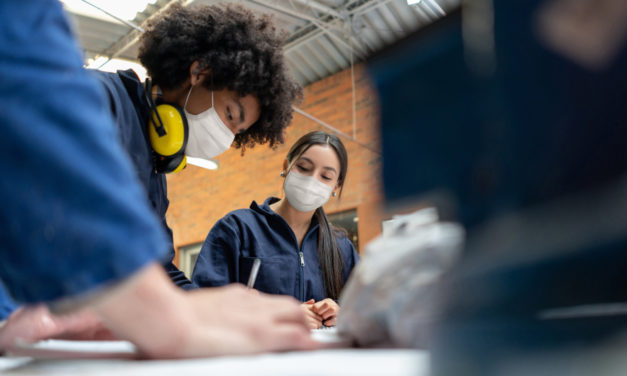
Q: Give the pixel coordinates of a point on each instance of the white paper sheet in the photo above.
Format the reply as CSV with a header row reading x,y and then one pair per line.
x,y
62,349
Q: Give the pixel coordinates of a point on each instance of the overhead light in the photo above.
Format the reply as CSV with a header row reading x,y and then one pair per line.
x,y
429,3
95,62
209,164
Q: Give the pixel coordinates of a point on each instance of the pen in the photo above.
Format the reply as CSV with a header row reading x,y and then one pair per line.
x,y
253,273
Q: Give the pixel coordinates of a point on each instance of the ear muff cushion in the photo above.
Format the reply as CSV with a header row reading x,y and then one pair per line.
x,y
175,125
182,164
170,164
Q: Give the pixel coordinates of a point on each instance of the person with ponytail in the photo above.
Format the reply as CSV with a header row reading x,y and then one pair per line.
x,y
302,254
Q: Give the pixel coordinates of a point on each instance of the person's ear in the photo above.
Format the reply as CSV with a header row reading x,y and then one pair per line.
x,y
196,75
336,189
285,167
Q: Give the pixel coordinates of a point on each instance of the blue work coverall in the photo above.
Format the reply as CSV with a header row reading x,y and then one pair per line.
x,y
74,216
130,113
242,235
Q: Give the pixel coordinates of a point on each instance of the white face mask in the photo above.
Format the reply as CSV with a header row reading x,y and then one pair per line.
x,y
208,135
305,193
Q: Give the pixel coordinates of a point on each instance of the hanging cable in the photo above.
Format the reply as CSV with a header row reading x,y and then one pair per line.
x,y
332,128
353,84
127,23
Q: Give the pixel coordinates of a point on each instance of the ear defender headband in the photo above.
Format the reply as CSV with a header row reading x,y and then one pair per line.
x,y
168,132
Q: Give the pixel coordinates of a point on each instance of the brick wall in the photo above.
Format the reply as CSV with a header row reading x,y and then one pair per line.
x,y
199,197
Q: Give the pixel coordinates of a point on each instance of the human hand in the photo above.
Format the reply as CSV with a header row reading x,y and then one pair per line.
x,y
327,309
164,321
239,321
34,323
313,320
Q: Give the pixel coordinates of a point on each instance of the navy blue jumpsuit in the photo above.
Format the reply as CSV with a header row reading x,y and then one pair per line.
x,y
245,234
127,104
74,216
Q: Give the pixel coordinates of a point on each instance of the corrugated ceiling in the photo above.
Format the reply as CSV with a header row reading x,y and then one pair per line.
x,y
325,36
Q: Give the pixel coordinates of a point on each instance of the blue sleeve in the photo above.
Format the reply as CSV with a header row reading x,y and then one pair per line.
x,y
7,306
217,262
351,257
74,216
176,275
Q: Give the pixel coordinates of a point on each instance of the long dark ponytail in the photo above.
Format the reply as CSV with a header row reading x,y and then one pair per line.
x,y
329,253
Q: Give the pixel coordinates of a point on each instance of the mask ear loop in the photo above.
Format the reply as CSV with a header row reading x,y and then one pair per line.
x,y
187,98
212,91
190,92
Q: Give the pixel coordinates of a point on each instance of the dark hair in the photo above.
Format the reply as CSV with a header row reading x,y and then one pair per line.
x,y
242,52
329,254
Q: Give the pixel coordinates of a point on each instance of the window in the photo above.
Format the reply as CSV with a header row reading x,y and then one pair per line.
x,y
187,258
348,221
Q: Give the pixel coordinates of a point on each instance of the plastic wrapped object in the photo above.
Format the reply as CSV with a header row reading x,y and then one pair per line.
x,y
389,301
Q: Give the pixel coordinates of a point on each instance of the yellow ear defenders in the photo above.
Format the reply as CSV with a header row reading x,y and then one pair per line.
x,y
168,132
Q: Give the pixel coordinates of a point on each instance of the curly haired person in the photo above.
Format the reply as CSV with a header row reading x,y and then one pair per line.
x,y
208,61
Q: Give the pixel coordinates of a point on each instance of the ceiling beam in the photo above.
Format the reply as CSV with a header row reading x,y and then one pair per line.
x,y
327,28
322,8
130,38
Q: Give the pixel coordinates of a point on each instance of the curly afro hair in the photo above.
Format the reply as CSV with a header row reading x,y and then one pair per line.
x,y
242,51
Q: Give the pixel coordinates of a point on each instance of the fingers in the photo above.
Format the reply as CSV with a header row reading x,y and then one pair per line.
x,y
326,308
37,323
237,302
243,323
308,305
221,340
286,309
233,320
291,338
29,324
331,322
313,320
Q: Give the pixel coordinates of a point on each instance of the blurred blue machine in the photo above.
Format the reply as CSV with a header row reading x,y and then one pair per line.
x,y
528,150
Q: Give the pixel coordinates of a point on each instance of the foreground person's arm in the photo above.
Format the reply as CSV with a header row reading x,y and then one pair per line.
x,y
166,322
75,218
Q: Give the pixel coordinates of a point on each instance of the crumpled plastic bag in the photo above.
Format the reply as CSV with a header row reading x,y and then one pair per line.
x,y
390,298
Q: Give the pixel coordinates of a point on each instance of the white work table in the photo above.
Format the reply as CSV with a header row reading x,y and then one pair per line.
x,y
363,362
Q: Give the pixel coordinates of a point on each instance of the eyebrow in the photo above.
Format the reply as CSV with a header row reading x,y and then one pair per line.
x,y
325,167
242,113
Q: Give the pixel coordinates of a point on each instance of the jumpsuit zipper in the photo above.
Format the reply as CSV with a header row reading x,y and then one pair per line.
x,y
302,276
